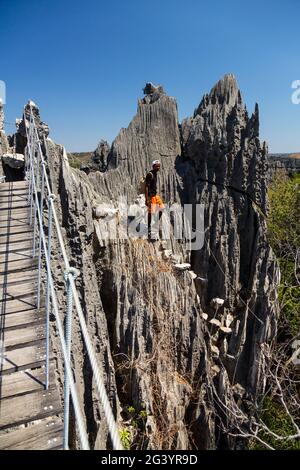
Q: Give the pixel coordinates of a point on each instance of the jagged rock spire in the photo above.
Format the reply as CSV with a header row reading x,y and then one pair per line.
x,y
152,134
223,141
42,127
152,92
226,90
4,145
1,116
225,94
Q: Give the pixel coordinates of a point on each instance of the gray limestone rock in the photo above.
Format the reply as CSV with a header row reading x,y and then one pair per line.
x,y
223,143
161,346
13,160
19,138
1,116
226,169
4,144
100,155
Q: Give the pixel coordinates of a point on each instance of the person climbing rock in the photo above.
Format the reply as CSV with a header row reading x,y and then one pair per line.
x,y
153,200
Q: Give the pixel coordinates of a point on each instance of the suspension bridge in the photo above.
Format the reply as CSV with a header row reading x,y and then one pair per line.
x,y
34,411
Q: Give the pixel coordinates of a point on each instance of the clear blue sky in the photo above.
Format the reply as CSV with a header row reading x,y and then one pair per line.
x,y
85,62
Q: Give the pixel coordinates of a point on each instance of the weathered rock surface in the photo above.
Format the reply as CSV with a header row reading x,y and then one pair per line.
x,y
1,116
163,346
223,143
100,154
98,158
13,160
227,170
4,146
19,138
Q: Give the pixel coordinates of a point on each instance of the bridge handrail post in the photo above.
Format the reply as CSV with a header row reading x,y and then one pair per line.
x,y
29,139
38,302
27,173
52,295
36,184
51,197
69,274
37,156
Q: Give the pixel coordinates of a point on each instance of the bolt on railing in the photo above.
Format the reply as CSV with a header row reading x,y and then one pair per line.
x,y
41,198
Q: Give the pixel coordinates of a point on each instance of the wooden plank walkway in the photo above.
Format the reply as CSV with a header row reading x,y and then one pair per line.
x,y
30,416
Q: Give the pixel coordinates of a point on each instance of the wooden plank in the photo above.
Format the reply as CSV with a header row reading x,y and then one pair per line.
x,y
14,183
6,188
30,407
18,277
6,224
20,246
11,291
16,246
13,210
16,265
24,254
8,214
15,230
10,199
27,317
5,258
16,290
18,305
9,185
13,224
44,435
18,208
14,195
23,336
11,206
16,237
25,381
24,358
9,220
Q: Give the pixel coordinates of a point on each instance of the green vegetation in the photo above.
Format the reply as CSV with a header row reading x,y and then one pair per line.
x,y
76,159
126,438
132,435
137,418
283,219
284,236
277,420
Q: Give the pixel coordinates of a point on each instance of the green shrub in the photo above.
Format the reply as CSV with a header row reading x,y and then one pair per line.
x,y
126,438
284,235
284,218
277,420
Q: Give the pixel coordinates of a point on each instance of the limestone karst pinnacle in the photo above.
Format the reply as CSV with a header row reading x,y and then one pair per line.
x,y
174,342
1,116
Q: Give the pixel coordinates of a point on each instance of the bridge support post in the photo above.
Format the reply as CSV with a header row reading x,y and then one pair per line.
x,y
38,301
51,198
70,273
36,185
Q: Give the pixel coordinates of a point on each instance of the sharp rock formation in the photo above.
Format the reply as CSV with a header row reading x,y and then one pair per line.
x,y
178,344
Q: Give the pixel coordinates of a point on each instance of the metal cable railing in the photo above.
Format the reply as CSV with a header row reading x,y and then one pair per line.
x,y
41,198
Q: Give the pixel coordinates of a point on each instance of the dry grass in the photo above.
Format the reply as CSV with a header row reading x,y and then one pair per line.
x,y
294,155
